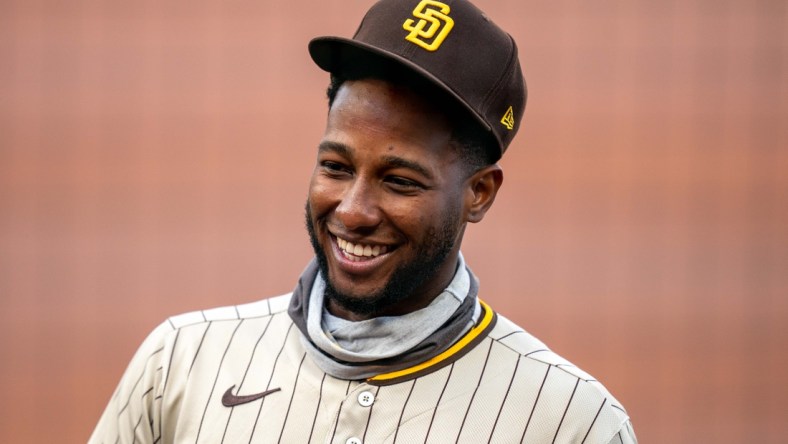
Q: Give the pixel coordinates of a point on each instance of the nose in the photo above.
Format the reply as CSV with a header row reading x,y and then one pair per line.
x,y
359,208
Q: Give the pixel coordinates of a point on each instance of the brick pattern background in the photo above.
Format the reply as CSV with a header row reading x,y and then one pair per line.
x,y
154,159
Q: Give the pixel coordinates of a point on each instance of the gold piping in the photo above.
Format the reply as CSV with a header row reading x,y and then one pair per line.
x,y
459,345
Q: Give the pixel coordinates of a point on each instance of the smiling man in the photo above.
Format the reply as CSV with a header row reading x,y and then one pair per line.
x,y
384,338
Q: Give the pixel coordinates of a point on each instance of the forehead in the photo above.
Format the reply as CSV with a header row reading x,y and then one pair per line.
x,y
371,112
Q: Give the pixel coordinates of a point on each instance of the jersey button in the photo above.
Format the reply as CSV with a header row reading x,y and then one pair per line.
x,y
365,399
353,440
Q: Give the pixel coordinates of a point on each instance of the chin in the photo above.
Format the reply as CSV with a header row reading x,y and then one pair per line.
x,y
364,306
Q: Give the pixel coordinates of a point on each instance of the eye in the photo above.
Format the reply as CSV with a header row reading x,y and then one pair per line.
x,y
334,168
403,185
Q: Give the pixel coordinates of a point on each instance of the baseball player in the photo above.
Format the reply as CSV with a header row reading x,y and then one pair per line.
x,y
385,338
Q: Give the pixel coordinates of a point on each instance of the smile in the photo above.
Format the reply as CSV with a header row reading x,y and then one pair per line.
x,y
359,252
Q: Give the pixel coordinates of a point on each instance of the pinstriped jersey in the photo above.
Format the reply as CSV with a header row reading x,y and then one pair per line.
x,y
241,374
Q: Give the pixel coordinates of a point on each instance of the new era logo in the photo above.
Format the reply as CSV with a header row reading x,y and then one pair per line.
x,y
508,119
433,26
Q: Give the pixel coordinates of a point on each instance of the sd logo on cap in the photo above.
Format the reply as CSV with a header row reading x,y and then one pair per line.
x,y
439,23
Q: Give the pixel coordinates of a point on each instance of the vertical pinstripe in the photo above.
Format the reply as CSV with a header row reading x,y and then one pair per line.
x,y
404,406
593,421
533,408
563,417
508,388
290,402
369,417
435,410
202,339
268,385
339,412
246,372
334,429
169,365
218,371
481,375
317,409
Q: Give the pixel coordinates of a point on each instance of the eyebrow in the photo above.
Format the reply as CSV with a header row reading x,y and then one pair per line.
x,y
399,162
339,148
390,161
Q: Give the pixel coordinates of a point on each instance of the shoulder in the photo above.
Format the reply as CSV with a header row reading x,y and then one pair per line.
x,y
554,389
185,349
191,323
196,341
189,332
253,310
519,341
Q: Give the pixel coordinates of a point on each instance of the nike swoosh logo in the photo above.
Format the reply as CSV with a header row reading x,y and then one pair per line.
x,y
230,400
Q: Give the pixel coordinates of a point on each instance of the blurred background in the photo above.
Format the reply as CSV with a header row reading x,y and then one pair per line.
x,y
154,159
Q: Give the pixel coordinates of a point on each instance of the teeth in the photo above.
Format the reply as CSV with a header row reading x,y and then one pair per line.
x,y
360,250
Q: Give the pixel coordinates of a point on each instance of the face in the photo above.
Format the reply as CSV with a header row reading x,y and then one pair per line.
x,y
385,209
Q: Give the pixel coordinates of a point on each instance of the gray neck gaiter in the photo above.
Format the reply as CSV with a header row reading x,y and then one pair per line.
x,y
360,350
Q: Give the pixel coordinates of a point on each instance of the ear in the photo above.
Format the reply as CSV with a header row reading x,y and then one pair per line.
x,y
482,187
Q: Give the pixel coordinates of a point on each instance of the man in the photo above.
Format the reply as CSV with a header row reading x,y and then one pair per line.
x,y
383,339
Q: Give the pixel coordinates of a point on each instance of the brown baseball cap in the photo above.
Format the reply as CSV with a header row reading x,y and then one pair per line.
x,y
452,44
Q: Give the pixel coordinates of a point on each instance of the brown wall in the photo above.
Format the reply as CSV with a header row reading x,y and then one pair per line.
x,y
154,157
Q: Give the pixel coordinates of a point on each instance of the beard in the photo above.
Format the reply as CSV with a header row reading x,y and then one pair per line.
x,y
405,280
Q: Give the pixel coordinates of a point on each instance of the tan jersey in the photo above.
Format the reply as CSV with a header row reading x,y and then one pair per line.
x,y
241,375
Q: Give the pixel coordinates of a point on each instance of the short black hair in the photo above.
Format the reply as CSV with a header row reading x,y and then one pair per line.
x,y
475,145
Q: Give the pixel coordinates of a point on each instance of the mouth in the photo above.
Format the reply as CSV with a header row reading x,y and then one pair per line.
x,y
359,252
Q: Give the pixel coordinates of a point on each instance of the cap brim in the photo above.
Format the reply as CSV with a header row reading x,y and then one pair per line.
x,y
335,54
